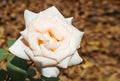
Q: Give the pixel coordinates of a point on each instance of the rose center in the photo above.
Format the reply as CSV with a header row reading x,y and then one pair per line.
x,y
40,42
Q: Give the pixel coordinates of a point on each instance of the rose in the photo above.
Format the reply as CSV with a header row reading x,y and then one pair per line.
x,y
49,40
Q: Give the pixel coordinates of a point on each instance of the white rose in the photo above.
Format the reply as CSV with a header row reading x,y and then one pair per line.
x,y
50,40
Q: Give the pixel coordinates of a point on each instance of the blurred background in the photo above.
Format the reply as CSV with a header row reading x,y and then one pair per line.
x,y
99,19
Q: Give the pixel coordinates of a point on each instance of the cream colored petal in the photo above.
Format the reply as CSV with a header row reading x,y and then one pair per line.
x,y
69,20
58,56
18,49
29,53
29,16
44,61
40,61
50,72
44,17
75,39
41,37
32,40
76,59
42,21
52,11
64,63
77,34
24,34
52,45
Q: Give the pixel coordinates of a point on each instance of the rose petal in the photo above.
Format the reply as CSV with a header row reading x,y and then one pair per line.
x,y
69,20
29,16
29,53
40,61
75,39
52,45
77,34
58,56
32,41
52,11
64,63
44,61
42,21
18,49
76,59
50,72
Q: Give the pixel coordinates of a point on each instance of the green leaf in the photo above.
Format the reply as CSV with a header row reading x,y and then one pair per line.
x,y
49,79
2,75
3,54
17,68
10,42
31,72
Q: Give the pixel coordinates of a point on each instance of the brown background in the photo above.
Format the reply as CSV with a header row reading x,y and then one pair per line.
x,y
99,19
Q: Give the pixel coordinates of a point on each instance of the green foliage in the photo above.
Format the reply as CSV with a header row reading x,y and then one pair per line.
x,y
17,68
2,75
49,79
31,72
3,54
10,42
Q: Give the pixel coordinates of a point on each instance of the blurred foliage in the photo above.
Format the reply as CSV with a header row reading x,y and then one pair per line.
x,y
17,69
2,75
99,19
3,54
10,42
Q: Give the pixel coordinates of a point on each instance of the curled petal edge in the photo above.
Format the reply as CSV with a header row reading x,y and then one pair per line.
x,y
76,59
50,72
18,49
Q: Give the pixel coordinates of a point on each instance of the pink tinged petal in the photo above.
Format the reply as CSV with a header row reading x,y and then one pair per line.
x,y
50,72
64,63
44,61
58,56
52,45
39,60
77,34
24,34
29,53
75,39
69,20
18,49
33,43
32,40
45,17
29,16
76,59
41,37
58,35
53,11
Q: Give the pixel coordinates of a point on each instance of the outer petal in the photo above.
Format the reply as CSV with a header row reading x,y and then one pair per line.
x,y
76,59
64,63
52,11
40,61
43,61
18,49
42,21
75,39
50,72
29,16
69,20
